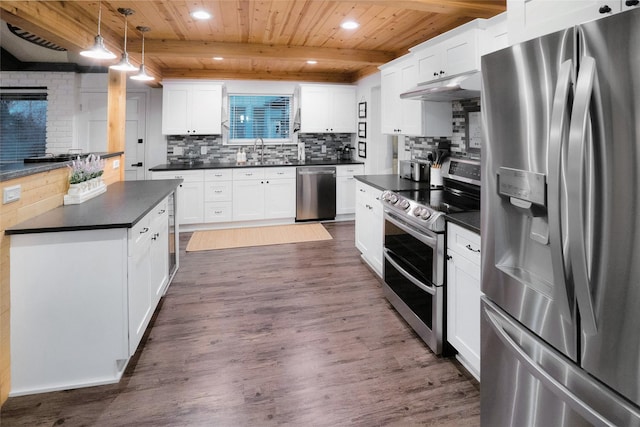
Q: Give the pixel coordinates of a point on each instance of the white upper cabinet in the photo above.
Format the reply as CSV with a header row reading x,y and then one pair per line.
x,y
409,116
327,109
528,19
496,34
191,108
454,52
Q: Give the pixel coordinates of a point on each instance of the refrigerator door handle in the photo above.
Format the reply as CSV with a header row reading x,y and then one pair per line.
x,y
580,120
558,134
500,327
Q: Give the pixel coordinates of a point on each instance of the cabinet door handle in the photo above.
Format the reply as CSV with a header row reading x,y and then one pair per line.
x,y
632,2
605,9
472,250
144,230
449,257
160,212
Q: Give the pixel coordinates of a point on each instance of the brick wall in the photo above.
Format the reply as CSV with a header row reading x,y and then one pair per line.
x,y
61,101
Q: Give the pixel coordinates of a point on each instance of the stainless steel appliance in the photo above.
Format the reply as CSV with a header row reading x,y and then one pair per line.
x,y
315,193
560,229
413,248
347,152
415,170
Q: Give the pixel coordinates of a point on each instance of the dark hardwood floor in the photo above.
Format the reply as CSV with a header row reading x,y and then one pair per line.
x,y
296,334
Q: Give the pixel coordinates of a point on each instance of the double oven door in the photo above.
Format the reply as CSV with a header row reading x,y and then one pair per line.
x,y
413,276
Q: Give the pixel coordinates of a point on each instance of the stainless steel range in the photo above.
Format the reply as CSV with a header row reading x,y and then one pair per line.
x,y
414,225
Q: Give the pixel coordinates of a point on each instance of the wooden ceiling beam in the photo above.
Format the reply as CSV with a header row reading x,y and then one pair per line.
x,y
201,49
258,75
468,8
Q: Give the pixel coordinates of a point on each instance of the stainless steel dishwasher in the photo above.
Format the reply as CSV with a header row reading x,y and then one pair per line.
x,y
315,193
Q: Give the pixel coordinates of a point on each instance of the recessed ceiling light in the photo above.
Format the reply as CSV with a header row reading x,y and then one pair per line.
x,y
201,14
349,25
218,58
311,61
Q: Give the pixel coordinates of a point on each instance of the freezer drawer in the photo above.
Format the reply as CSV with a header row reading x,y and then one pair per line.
x,y
525,382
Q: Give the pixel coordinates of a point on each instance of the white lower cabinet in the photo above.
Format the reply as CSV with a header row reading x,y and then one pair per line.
x,y
264,193
190,194
218,195
463,295
346,188
369,225
79,316
149,269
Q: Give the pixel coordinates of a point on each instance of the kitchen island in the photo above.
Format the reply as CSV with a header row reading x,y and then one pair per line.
x,y
101,268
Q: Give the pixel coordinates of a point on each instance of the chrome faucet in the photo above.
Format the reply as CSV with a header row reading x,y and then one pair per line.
x,y
261,148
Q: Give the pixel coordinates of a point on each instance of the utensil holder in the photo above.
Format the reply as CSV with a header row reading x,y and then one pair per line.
x,y
435,177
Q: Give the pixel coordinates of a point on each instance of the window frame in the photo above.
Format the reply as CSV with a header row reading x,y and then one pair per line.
x,y
17,93
251,141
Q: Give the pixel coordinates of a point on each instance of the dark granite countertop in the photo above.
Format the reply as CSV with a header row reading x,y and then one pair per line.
x,y
122,206
391,182
468,220
19,169
266,163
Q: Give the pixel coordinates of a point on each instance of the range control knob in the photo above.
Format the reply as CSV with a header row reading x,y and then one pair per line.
x,y
426,214
405,204
417,210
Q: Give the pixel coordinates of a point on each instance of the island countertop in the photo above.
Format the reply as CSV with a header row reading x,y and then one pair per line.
x,y
121,206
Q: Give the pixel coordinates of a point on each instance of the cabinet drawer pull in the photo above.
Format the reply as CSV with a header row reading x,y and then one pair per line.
x,y
217,212
217,191
160,212
472,250
144,230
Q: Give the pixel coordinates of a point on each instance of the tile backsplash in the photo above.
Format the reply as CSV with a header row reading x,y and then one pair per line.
x,y
181,147
421,146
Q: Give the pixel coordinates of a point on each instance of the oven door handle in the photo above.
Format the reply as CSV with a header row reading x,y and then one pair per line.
x,y
429,289
424,238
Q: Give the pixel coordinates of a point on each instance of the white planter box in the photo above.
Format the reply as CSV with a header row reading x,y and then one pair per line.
x,y
84,191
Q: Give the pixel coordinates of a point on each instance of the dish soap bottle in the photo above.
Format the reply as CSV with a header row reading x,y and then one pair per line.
x,y
239,156
243,156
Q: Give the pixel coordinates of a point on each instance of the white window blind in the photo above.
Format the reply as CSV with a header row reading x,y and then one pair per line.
x,y
259,116
23,123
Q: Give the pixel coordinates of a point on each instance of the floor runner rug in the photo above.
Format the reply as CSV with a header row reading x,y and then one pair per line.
x,y
256,236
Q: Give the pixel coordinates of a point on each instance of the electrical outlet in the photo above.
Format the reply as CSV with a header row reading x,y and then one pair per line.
x,y
11,194
203,150
324,148
178,151
116,164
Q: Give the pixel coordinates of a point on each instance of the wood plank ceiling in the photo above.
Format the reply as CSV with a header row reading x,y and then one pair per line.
x,y
257,39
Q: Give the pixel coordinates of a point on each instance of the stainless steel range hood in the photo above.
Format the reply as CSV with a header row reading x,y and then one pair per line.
x,y
460,86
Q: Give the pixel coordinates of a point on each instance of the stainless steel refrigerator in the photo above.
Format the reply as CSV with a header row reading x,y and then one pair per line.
x,y
561,228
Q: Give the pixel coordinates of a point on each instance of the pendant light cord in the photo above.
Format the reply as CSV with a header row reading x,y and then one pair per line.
x,y
99,15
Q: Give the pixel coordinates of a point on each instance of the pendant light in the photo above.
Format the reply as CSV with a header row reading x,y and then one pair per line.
x,y
98,50
142,73
124,64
